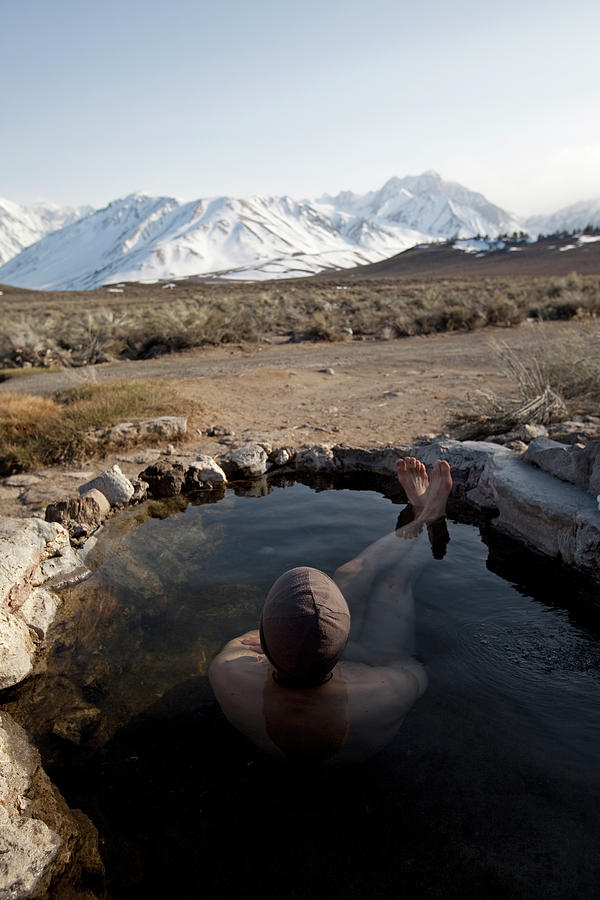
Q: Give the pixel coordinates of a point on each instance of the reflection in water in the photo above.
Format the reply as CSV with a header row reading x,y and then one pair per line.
x,y
490,789
307,735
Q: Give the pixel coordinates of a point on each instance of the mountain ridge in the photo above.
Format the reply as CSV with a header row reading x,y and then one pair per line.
x,y
145,238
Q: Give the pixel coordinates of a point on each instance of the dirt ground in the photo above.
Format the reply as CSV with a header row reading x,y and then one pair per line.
x,y
360,393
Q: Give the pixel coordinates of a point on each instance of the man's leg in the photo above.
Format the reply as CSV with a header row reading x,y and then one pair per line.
x,y
378,583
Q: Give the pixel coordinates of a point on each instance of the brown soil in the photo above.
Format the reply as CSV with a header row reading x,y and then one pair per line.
x,y
379,393
549,257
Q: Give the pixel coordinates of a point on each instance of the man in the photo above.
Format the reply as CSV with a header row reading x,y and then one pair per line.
x,y
299,688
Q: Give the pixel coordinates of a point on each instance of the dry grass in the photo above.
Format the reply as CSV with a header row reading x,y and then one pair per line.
x,y
554,382
80,328
39,431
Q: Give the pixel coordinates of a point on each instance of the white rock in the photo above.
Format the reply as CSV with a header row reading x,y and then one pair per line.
x,y
16,650
117,489
319,458
248,462
564,461
100,498
39,610
28,847
281,457
22,480
208,470
24,545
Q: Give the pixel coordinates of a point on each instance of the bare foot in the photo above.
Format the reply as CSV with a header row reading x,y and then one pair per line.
x,y
412,475
436,498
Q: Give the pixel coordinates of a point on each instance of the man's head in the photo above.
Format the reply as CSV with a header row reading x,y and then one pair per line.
x,y
304,626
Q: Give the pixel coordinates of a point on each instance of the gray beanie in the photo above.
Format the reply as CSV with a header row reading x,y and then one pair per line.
x,y
304,627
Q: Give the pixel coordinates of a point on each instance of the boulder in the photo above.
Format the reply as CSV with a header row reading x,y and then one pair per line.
x,y
24,545
164,478
117,489
22,480
39,610
592,453
219,431
556,518
16,650
563,461
169,427
281,456
45,848
101,500
525,434
574,432
318,458
140,491
84,510
357,459
247,462
203,473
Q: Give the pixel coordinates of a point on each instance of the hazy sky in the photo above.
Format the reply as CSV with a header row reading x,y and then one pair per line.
x,y
192,99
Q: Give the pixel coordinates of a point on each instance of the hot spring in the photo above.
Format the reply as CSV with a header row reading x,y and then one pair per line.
x,y
491,787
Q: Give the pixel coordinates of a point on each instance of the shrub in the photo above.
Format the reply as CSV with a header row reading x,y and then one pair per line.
x,y
38,431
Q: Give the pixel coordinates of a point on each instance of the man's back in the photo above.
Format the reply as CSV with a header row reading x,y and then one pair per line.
x,y
347,719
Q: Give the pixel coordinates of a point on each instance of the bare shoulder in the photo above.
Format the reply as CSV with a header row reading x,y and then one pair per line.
x,y
238,663
405,678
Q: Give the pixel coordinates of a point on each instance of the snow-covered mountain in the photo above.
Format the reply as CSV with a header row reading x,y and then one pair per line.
x,y
429,204
576,216
142,238
21,226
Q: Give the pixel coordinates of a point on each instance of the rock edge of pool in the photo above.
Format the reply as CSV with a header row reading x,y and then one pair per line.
x,y
50,851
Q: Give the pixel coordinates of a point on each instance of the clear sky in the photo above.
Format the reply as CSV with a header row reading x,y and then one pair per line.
x,y
193,99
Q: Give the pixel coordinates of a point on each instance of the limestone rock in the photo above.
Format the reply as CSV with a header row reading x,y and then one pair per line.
x,y
140,491
592,453
164,478
281,456
44,846
24,545
208,470
170,427
219,431
22,480
525,434
247,462
117,489
318,458
28,849
39,610
560,460
559,519
67,568
204,473
357,459
16,650
84,510
101,500
574,432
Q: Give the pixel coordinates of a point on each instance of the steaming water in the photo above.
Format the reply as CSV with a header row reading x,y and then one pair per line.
x,y
490,789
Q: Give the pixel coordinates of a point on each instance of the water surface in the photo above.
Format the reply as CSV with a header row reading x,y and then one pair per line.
x,y
490,789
